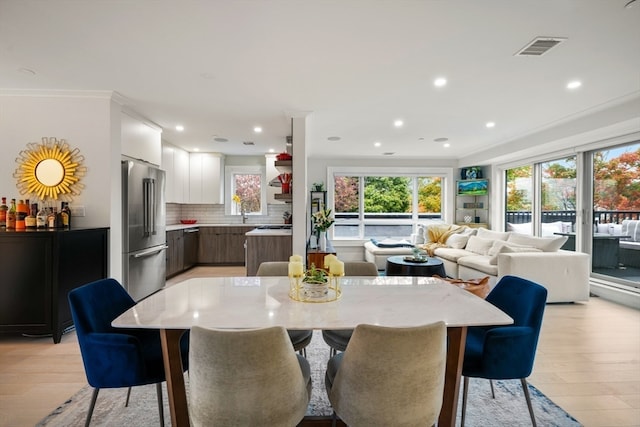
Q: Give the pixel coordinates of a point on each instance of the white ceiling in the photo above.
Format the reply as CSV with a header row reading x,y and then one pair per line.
x,y
222,67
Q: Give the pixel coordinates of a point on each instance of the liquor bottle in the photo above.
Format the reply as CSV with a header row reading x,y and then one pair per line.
x,y
11,215
41,218
3,212
30,220
51,219
22,210
65,212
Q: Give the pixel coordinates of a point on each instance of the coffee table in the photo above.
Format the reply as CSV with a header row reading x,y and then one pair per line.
x,y
397,266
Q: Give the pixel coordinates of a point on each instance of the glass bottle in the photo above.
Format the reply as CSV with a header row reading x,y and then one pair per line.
x,y
30,220
41,218
11,215
65,213
51,219
3,212
22,210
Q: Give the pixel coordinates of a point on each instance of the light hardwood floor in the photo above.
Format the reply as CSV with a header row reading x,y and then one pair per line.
x,y
588,362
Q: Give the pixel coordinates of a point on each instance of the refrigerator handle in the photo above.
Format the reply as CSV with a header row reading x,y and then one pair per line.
x,y
146,207
152,207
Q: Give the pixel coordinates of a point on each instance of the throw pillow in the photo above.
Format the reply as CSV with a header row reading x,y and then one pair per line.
x,y
478,245
545,244
457,241
493,235
501,247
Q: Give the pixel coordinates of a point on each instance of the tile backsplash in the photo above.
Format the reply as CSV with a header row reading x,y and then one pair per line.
x,y
214,214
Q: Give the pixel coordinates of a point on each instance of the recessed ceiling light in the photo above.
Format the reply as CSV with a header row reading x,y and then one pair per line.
x,y
196,149
574,84
334,138
179,128
257,129
271,150
441,139
218,139
446,145
490,124
440,82
398,123
377,144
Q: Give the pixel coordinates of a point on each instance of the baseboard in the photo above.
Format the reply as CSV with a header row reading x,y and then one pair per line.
x,y
616,294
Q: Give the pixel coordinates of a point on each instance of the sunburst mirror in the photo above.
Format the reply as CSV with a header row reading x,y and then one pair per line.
x,y
50,170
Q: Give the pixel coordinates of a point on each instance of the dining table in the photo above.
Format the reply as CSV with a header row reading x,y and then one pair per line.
x,y
260,302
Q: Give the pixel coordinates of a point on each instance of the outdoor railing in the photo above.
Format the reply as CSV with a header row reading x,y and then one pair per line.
x,y
600,217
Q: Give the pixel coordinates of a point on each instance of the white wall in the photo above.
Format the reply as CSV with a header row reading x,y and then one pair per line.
x,y
87,121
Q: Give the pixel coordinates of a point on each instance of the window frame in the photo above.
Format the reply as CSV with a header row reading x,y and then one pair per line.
x,y
446,201
229,174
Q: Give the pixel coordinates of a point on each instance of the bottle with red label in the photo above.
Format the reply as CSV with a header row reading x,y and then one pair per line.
x,y
3,212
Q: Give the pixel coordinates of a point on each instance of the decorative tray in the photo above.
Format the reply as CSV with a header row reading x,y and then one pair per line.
x,y
416,260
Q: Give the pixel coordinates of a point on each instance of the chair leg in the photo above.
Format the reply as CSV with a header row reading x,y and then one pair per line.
x,y
92,405
160,404
126,402
465,388
525,389
493,393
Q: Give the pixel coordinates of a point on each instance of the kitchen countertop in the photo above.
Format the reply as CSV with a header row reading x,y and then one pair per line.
x,y
173,227
269,232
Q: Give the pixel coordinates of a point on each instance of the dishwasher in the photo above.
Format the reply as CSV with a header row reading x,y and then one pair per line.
x,y
190,242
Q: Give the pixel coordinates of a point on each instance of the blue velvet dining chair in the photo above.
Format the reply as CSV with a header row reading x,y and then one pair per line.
x,y
116,357
506,352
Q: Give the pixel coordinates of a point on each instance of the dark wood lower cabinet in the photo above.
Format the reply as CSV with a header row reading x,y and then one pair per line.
x,y
222,245
39,268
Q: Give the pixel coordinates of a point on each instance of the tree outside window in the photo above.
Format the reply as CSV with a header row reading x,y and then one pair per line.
x,y
248,188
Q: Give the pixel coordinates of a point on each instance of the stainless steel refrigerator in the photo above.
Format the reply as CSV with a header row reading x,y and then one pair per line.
x,y
143,225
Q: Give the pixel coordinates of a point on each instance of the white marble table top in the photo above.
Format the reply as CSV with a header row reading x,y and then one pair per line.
x,y
257,302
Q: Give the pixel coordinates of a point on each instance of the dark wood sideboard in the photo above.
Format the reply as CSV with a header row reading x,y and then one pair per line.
x,y
38,268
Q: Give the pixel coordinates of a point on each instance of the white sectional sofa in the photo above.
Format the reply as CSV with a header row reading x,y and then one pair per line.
x,y
473,253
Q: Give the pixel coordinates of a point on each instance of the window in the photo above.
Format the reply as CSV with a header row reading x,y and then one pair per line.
x,y
246,182
384,205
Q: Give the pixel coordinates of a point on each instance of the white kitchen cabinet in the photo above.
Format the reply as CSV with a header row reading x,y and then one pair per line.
x,y
140,140
175,162
206,178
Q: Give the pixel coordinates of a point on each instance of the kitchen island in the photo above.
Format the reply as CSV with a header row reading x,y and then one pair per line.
x,y
267,243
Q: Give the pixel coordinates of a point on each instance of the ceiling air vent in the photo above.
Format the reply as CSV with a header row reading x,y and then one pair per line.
x,y
540,46
248,143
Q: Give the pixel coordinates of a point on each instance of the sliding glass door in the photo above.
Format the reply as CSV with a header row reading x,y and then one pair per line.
x,y
615,252
542,199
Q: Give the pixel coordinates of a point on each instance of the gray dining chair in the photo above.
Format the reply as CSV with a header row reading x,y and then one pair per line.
x,y
337,339
246,377
299,338
389,376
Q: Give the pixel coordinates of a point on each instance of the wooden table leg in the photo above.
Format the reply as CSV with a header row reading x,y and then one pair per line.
x,y
170,339
453,372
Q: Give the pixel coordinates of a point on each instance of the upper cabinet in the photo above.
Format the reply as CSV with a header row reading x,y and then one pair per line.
x,y
206,178
140,140
175,162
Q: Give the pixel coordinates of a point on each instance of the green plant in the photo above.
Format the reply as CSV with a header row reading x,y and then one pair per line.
x,y
315,275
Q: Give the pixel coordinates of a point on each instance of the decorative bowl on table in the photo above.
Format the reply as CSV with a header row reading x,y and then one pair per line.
x,y
188,221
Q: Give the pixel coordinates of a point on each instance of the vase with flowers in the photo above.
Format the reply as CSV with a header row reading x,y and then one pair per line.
x,y
322,220
240,207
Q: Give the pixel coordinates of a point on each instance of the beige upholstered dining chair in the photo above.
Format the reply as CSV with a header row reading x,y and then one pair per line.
x,y
299,338
338,339
389,376
246,377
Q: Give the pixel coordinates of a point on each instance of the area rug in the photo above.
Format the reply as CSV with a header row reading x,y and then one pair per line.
x,y
507,409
